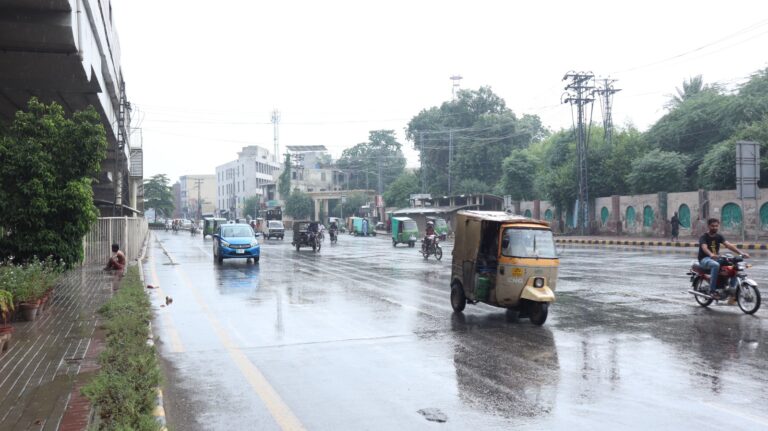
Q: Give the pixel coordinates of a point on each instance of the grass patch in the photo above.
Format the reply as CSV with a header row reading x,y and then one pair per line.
x,y
123,391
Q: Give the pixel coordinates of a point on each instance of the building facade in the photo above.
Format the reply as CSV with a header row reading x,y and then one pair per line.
x,y
253,173
312,170
197,195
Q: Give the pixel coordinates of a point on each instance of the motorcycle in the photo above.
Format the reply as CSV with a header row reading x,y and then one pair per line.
x,y
334,236
431,246
744,292
193,231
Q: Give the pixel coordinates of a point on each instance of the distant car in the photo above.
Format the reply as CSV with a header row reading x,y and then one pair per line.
x,y
235,241
186,224
275,228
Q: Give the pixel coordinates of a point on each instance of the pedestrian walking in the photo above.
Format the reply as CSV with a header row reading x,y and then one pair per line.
x,y
675,226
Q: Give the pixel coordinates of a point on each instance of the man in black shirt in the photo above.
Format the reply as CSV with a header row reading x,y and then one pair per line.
x,y
709,249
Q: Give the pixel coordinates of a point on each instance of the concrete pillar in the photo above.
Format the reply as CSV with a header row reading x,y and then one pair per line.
x,y
664,227
516,207
615,217
325,210
537,209
317,208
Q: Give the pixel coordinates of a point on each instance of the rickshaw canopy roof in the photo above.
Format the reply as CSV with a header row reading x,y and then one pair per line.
x,y
402,218
499,216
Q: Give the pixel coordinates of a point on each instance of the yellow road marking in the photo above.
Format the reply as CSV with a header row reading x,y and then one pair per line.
x,y
168,325
284,417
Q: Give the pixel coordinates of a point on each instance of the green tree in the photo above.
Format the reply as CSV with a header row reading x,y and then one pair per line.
x,y
352,205
284,182
382,153
691,88
48,165
472,186
717,170
251,206
518,173
299,205
399,192
658,171
158,195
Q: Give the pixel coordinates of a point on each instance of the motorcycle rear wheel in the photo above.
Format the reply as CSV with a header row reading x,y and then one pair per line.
x,y
697,286
748,298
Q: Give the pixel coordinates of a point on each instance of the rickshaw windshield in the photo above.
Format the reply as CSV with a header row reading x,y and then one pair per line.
x,y
409,225
236,231
526,242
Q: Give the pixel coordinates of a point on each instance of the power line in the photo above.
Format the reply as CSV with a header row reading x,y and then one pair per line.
x,y
578,94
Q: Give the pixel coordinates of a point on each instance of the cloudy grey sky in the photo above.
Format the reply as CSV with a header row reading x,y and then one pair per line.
x,y
205,76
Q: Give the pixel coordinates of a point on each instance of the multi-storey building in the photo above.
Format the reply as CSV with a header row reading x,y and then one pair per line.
x,y
253,173
312,169
197,195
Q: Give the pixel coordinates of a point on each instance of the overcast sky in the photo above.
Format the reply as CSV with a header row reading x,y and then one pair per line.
x,y
204,76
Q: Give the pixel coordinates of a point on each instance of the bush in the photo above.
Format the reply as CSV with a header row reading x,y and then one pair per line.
x,y
123,392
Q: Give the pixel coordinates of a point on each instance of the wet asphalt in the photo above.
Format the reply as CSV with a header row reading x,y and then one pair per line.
x,y
362,336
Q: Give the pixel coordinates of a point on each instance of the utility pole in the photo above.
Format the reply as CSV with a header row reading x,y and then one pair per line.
x,y
276,133
579,94
450,158
456,82
606,91
198,184
421,161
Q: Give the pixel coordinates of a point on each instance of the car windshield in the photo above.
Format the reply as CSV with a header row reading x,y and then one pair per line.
x,y
524,242
409,225
275,224
236,231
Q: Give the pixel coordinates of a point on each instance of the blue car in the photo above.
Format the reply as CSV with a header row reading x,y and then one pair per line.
x,y
235,241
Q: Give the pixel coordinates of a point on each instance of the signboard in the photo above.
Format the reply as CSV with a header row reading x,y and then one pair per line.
x,y
747,169
421,196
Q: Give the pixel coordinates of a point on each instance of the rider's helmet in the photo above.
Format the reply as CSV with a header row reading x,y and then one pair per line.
x,y
430,223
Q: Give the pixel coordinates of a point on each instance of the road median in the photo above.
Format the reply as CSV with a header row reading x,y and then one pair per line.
x,y
650,243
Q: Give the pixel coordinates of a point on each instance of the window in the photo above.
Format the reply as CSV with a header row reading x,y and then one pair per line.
x,y
731,216
604,213
647,216
684,214
630,216
525,242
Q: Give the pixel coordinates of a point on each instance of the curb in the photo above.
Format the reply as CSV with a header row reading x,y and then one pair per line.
x,y
159,411
642,243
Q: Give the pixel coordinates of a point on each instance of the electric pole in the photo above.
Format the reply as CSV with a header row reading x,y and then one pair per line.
x,y
276,133
198,184
421,160
579,92
606,91
450,158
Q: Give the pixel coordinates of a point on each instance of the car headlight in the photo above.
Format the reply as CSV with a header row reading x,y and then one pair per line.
x,y
538,282
224,243
254,243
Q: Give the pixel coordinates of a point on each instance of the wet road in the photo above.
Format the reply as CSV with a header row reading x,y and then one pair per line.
x,y
362,336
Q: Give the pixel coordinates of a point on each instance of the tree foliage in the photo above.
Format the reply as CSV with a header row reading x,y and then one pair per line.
x,y
158,195
299,205
658,171
251,206
381,153
518,171
284,181
48,164
399,192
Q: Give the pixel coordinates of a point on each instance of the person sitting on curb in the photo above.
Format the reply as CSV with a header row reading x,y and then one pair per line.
x,y
117,261
709,249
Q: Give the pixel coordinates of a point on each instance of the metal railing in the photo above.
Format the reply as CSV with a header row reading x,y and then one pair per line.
x,y
128,232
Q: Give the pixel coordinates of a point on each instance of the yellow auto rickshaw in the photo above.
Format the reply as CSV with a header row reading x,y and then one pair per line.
x,y
506,261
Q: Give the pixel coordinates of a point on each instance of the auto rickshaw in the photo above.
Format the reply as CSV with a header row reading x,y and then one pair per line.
x,y
441,227
506,261
361,226
404,231
210,224
302,236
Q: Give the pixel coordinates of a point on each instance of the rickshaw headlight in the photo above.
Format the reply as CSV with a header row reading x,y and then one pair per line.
x,y
538,282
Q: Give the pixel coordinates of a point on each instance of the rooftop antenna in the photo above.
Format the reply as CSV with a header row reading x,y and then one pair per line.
x,y
276,134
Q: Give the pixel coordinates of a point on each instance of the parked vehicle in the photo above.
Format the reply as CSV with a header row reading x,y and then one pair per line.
x,y
273,229
441,227
506,261
304,235
404,231
235,241
211,225
361,226
745,291
430,247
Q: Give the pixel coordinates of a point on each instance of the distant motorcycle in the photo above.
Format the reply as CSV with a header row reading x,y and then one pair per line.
x,y
193,230
745,292
431,246
334,236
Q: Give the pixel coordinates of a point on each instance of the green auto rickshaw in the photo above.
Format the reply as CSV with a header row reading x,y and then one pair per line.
x,y
361,226
404,231
210,224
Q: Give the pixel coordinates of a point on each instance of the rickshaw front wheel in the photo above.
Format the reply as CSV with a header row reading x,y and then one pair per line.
x,y
458,299
538,312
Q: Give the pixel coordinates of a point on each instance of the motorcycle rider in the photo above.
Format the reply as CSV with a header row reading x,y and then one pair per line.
x,y
709,249
430,232
333,229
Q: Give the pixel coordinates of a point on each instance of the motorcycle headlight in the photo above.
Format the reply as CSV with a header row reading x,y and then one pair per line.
x,y
741,266
224,243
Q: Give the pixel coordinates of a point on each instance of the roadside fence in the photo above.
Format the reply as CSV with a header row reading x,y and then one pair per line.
x,y
128,232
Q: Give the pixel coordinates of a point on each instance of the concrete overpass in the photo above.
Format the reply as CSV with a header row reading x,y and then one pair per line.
x,y
322,198
67,51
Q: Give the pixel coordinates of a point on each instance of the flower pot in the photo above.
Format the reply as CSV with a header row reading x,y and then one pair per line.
x,y
29,310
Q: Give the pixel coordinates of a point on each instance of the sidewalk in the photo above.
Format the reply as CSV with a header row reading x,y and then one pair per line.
x,y
651,242
50,359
